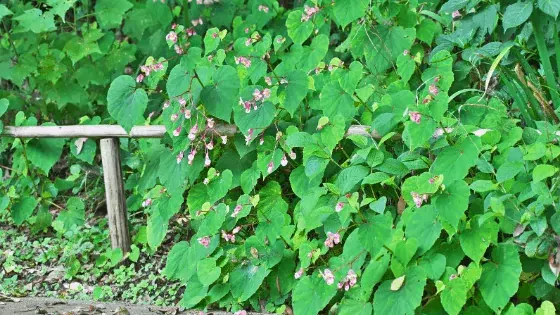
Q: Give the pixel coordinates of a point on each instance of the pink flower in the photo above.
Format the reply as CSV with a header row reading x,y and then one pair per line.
x,y
246,30
207,160
283,81
257,95
166,104
210,145
228,237
456,14
236,211
419,199
157,67
171,36
174,117
332,239
339,206
243,60
224,139
308,13
433,89
180,157
406,52
263,8
177,131
261,141
248,42
206,181
266,93
193,132
204,241
210,122
236,230
188,114
140,78
182,101
146,70
147,203
298,273
415,116
270,167
268,80
191,155
173,26
191,31
292,155
284,160
178,50
349,281
328,276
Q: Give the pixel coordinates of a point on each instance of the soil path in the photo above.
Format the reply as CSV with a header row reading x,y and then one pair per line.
x,y
51,306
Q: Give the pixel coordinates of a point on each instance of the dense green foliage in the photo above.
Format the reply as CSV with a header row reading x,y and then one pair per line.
x,y
446,199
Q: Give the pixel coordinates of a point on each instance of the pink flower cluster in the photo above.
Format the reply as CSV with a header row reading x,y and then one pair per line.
x,y
249,136
433,89
456,14
197,22
349,281
258,96
204,241
146,70
147,203
308,13
270,167
339,206
230,237
332,239
171,36
243,60
415,116
236,211
328,276
263,8
419,199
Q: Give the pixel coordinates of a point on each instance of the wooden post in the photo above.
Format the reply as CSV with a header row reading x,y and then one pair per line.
x,y
114,193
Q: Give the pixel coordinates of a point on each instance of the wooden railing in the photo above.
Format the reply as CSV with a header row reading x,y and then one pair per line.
x,y
110,158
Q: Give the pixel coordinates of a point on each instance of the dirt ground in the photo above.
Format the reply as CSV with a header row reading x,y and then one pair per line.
x,y
51,306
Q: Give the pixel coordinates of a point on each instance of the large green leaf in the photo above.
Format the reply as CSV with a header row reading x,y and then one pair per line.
x,y
500,276
74,213
346,12
311,295
455,161
454,296
296,90
335,101
23,208
452,202
475,241
45,152
220,97
350,177
550,7
298,30
405,299
517,13
384,44
163,209
110,12
36,21
125,103
245,280
424,227
376,232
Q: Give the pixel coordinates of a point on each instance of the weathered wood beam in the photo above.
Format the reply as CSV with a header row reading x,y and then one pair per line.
x,y
114,193
116,131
